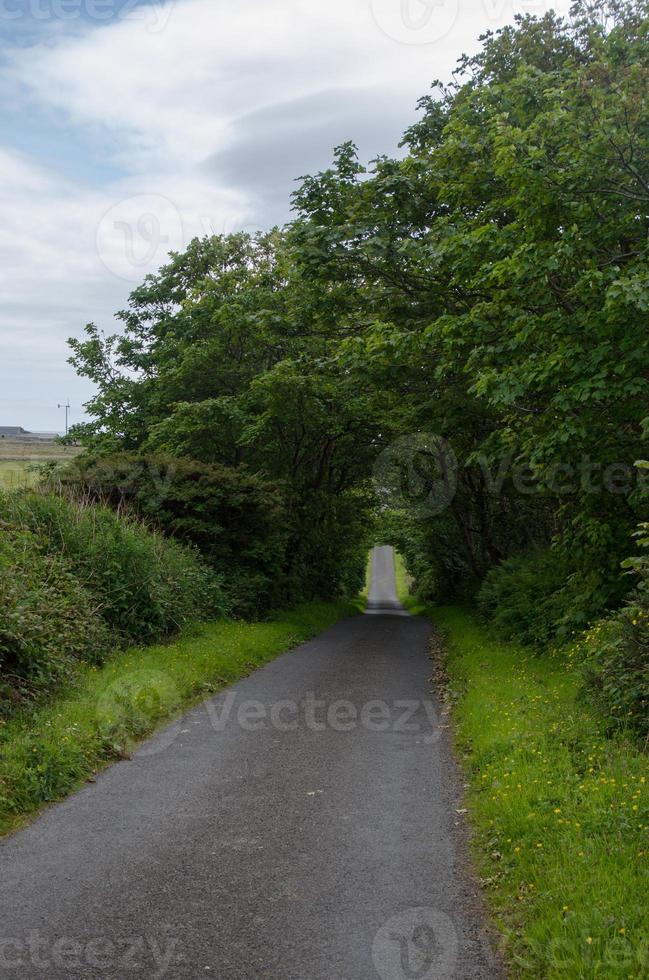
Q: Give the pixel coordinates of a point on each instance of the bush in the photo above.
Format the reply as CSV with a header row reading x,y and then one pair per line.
x,y
235,519
48,620
616,664
77,581
272,547
616,655
519,597
538,598
144,586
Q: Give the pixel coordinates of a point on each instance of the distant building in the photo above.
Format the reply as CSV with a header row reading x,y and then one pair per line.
x,y
12,432
18,434
42,436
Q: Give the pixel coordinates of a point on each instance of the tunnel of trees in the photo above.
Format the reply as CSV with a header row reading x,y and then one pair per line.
x,y
447,350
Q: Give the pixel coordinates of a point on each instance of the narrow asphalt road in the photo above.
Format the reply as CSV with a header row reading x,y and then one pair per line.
x,y
302,825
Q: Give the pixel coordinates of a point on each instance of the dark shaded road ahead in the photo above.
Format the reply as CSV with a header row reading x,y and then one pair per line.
x,y
300,826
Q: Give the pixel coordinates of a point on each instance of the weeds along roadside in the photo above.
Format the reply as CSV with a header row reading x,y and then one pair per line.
x,y
557,804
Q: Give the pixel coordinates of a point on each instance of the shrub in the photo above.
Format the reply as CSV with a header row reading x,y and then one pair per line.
x,y
541,597
48,621
235,519
616,654
78,581
143,586
519,597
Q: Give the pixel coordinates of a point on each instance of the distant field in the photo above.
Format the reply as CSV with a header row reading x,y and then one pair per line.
x,y
35,451
18,460
15,474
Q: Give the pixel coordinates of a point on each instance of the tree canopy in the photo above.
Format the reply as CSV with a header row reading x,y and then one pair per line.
x,y
489,287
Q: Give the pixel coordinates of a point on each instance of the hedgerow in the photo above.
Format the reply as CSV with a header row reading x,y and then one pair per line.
x,y
48,621
615,654
78,581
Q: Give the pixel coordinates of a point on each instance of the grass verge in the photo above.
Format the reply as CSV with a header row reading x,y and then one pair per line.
x,y
49,751
560,812
403,583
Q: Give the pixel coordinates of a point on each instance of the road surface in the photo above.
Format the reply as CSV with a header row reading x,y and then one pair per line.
x,y
302,825
382,596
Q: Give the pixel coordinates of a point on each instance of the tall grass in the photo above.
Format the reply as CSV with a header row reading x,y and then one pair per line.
x,y
79,581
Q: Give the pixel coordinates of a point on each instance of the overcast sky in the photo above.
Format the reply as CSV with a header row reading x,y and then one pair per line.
x,y
128,128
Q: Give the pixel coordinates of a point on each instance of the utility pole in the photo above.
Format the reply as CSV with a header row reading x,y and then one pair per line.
x,y
67,409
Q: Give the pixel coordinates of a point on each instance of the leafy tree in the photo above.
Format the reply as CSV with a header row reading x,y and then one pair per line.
x,y
488,287
227,360
503,279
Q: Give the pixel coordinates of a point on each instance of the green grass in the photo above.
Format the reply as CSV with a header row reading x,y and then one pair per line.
x,y
15,474
560,812
15,449
404,585
19,461
49,751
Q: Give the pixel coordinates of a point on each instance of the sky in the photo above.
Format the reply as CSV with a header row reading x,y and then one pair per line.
x,y
128,128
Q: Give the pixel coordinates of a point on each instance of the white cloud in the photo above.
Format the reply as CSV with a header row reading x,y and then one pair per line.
x,y
173,94
208,109
63,262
